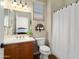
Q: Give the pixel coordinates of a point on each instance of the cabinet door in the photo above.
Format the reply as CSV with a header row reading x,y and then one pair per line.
x,y
11,52
26,50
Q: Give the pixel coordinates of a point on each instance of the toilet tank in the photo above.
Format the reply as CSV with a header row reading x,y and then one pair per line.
x,y
40,41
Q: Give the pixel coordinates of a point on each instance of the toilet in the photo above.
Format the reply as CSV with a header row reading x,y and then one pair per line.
x,y
44,50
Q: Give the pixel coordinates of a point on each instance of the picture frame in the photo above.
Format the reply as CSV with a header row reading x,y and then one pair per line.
x,y
39,11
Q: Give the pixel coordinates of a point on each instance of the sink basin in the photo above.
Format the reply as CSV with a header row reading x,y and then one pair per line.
x,y
17,39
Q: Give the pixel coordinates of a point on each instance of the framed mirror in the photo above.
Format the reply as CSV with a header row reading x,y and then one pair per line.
x,y
16,22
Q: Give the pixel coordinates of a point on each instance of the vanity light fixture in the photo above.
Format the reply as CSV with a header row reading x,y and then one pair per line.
x,y
15,2
19,5
16,5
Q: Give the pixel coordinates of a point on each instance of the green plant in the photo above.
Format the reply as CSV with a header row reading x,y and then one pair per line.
x,y
29,32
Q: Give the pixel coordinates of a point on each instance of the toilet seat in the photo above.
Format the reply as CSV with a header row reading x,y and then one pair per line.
x,y
45,50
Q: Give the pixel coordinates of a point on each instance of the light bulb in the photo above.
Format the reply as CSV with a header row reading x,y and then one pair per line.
x,y
14,4
20,5
2,3
25,7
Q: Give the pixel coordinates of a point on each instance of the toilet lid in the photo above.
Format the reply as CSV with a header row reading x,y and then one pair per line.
x,y
44,48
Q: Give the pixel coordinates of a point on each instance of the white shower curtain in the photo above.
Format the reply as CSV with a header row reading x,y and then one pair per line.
x,y
66,32
55,32
60,36
60,40
74,46
71,41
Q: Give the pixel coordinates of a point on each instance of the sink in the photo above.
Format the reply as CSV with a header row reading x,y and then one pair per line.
x,y
17,39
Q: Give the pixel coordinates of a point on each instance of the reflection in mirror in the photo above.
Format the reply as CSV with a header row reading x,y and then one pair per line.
x,y
16,22
22,22
9,22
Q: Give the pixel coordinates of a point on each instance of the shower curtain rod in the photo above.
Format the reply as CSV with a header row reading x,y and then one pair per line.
x,y
66,6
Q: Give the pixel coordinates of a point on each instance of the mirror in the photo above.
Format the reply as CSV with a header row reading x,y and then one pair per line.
x,y
16,22
8,21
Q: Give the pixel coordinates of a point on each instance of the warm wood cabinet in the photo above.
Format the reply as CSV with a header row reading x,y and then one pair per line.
x,y
19,51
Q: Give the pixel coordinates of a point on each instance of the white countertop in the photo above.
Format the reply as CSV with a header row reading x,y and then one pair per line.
x,y
17,39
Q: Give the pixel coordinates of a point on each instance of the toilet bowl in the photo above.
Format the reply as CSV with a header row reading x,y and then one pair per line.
x,y
44,50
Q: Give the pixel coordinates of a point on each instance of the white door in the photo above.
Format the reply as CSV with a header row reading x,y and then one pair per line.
x,y
1,28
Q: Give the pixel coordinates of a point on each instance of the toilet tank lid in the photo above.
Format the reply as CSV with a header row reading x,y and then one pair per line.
x,y
39,38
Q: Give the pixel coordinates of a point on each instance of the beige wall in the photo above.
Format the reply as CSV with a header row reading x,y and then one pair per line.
x,y
49,22
37,33
35,22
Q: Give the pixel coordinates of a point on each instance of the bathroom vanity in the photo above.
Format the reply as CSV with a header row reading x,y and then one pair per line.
x,y
19,48
19,51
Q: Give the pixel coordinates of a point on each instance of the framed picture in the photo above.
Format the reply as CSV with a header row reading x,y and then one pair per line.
x,y
39,11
